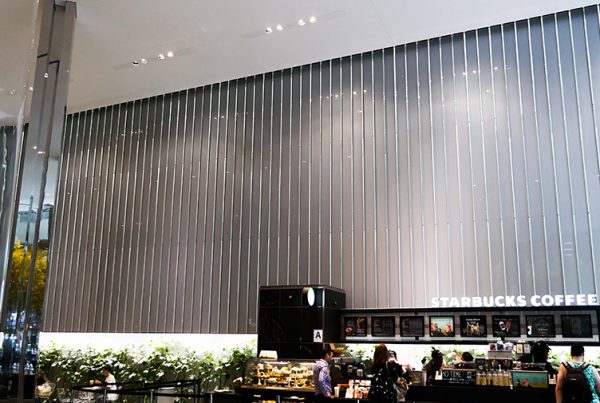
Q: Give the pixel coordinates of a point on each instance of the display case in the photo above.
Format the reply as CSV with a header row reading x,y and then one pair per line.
x,y
285,374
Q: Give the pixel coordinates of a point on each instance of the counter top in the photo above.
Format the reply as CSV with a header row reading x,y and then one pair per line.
x,y
478,394
416,393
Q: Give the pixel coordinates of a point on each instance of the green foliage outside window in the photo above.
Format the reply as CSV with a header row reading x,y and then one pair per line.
x,y
67,368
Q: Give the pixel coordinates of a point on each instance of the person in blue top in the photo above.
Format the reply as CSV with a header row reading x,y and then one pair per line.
x,y
321,376
568,379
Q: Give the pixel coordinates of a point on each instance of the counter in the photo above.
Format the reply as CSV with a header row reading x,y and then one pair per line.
x,y
478,394
416,393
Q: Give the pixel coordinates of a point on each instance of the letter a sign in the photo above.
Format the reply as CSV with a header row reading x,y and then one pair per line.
x,y
318,335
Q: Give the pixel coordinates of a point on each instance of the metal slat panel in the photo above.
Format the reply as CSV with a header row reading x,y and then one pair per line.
x,y
588,162
128,223
466,163
86,251
275,168
438,140
346,204
229,258
56,276
138,220
371,261
337,159
197,274
68,244
477,164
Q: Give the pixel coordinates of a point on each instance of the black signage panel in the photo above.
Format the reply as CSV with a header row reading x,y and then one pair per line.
x,y
383,326
540,325
412,326
576,326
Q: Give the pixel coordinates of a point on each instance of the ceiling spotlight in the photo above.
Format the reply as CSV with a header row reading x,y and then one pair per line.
x,y
312,19
279,27
269,30
301,23
40,152
143,61
31,89
161,56
135,63
35,147
170,54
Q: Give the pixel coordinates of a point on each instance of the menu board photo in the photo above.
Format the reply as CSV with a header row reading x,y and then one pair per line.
x,y
576,326
540,325
383,326
441,326
506,326
473,326
355,326
412,326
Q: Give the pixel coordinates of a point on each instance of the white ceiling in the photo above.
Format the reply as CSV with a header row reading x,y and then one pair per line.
x,y
215,41
17,22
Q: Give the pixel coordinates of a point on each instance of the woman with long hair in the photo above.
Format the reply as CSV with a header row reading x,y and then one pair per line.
x,y
384,376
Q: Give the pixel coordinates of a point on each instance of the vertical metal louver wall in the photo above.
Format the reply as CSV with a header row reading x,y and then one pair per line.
x,y
462,165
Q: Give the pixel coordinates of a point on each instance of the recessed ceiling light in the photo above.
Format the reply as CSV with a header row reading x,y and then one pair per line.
x,y
279,27
161,56
135,63
301,23
143,61
35,147
170,54
269,30
41,152
312,19
31,89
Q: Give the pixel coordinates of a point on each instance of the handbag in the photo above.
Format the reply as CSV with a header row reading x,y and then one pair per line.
x,y
400,387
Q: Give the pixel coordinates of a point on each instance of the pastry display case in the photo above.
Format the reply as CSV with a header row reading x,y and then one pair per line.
x,y
286,374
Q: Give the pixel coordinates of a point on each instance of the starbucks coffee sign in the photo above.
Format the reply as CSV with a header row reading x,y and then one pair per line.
x,y
502,301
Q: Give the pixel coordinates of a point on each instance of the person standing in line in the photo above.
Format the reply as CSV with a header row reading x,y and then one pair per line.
x,y
321,376
396,367
384,377
577,381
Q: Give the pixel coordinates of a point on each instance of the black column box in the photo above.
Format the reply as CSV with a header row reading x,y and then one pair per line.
x,y
288,317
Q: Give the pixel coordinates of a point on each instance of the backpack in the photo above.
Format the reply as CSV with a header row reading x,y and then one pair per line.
x,y
382,387
575,387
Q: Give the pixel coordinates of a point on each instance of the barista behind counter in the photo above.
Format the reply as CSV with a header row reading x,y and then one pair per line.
x,y
539,355
434,365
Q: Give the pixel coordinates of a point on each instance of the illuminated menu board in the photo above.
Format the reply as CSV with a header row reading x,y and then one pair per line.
x,y
441,326
473,326
355,326
506,326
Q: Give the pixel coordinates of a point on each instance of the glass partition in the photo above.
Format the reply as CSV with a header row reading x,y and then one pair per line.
x,y
33,83
18,30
